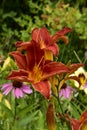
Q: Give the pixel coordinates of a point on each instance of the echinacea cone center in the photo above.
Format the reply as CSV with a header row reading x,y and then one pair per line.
x,y
17,84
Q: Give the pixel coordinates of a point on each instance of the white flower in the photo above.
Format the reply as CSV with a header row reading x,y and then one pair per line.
x,y
82,75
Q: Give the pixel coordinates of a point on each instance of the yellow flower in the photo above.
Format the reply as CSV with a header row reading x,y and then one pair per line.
x,y
6,102
82,75
7,64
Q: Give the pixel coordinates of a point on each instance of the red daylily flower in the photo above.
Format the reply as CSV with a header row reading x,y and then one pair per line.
x,y
80,124
62,78
72,68
48,42
76,124
35,69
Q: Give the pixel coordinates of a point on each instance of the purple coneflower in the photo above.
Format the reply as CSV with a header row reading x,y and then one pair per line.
x,y
18,88
66,91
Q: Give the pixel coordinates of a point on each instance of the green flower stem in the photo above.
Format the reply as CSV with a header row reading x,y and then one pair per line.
x,y
59,103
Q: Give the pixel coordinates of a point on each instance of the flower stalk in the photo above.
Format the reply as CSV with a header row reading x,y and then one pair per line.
x,y
50,119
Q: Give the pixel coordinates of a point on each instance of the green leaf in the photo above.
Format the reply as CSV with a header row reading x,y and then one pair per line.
x,y
7,110
11,14
28,119
27,109
40,121
74,110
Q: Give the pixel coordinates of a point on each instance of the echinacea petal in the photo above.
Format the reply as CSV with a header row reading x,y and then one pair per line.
x,y
64,93
26,89
85,86
6,85
61,93
7,90
67,93
18,93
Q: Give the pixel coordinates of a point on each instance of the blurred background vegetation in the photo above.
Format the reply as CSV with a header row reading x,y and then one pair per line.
x,y
18,18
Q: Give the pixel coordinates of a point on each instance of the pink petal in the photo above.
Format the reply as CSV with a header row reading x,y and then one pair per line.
x,y
7,90
67,93
85,86
60,93
26,89
6,85
18,93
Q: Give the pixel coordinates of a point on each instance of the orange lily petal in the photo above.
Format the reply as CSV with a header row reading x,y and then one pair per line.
x,y
84,115
22,45
42,36
60,35
20,59
53,48
75,124
44,88
33,53
53,68
79,124
20,75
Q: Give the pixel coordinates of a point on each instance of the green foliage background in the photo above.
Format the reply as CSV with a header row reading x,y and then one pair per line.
x,y
19,17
